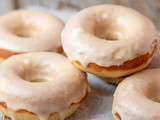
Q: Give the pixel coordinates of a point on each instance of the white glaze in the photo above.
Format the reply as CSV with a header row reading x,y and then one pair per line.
x,y
43,29
137,97
83,36
65,84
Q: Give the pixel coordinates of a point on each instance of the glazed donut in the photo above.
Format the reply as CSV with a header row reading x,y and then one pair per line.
x,y
27,30
137,97
40,86
109,40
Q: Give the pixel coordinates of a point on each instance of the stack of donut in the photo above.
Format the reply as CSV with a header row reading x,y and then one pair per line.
x,y
109,41
38,83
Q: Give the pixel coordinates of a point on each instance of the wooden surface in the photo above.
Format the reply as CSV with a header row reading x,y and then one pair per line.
x,y
150,8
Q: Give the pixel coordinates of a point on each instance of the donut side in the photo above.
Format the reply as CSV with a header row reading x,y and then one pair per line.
x,y
127,68
26,115
23,114
117,117
4,54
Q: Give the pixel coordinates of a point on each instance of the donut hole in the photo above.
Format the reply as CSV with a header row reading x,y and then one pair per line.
x,y
103,33
32,77
151,92
35,74
110,28
150,89
38,80
26,31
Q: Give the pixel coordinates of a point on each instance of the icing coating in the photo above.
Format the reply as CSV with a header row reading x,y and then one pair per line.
x,y
30,31
41,83
137,97
107,35
155,63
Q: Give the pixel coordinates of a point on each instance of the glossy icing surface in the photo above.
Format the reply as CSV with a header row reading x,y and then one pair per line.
x,y
107,35
41,83
137,97
30,31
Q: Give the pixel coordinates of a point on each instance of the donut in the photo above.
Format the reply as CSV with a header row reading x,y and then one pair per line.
x,y
26,30
41,86
137,97
109,40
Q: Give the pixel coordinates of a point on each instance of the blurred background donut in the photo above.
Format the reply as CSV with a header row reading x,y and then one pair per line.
x,y
150,8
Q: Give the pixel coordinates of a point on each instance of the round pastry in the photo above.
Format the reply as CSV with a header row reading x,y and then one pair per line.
x,y
109,40
26,30
40,86
137,97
